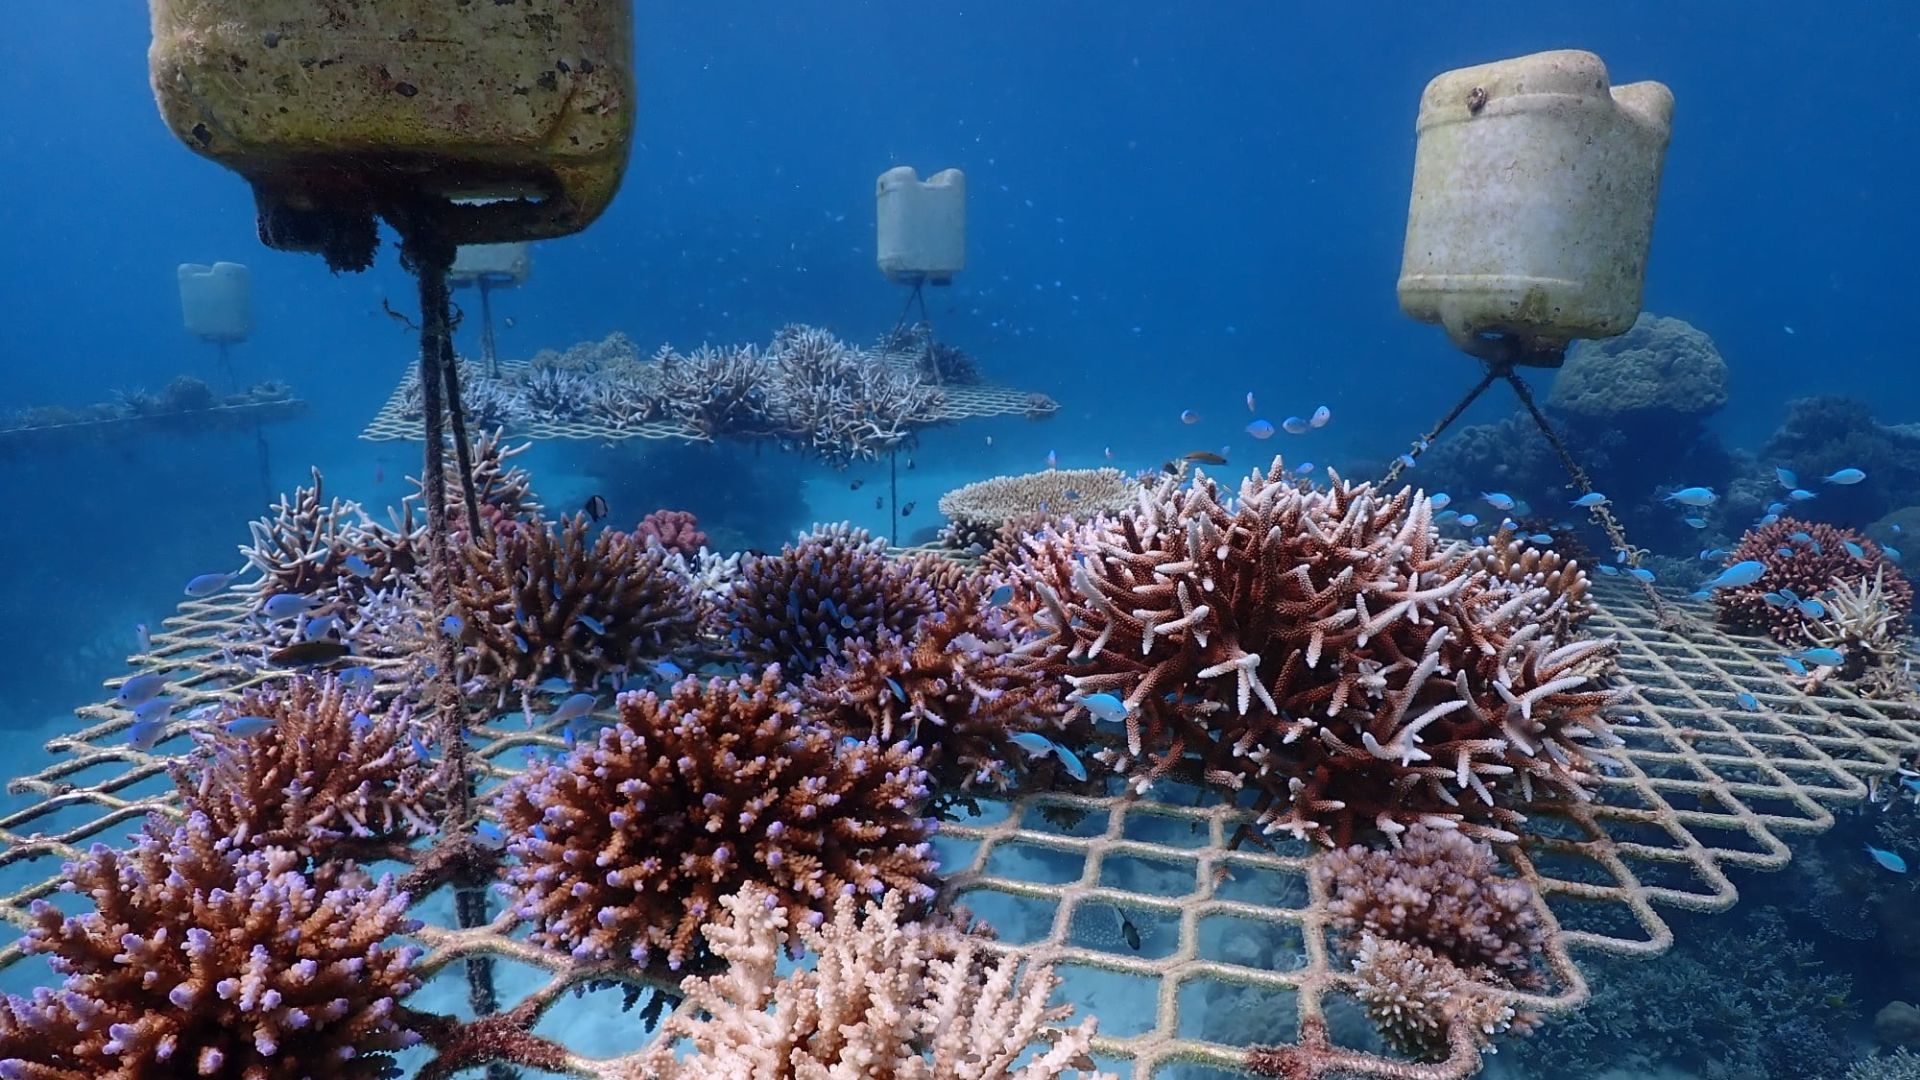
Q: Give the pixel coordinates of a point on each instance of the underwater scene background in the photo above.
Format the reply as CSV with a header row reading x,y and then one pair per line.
x,y
1184,228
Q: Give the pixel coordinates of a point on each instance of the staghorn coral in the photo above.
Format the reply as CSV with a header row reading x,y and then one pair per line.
x,y
841,404
1902,1064
336,768
505,489
628,844
1557,582
677,530
717,391
978,512
303,543
885,1001
953,685
1809,568
1325,648
836,583
539,600
201,958
1860,621
554,395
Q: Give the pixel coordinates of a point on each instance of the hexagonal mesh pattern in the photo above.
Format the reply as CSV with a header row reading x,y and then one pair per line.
x,y
960,403
1148,899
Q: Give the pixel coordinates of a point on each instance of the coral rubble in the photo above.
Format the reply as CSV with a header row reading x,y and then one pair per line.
x,y
887,1000
334,768
1325,648
1807,560
540,600
201,958
628,844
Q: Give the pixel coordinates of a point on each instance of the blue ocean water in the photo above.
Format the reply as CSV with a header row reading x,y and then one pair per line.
x,y
1171,207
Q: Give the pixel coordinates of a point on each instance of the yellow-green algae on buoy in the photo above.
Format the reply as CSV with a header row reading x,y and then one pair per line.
x,y
330,105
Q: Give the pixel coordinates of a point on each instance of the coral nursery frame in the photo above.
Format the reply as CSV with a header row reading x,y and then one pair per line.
x,y
1230,942
960,402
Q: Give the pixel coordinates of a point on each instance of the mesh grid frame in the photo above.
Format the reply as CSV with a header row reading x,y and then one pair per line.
x,y
1707,786
960,402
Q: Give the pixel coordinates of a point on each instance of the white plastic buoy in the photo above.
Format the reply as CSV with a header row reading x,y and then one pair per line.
x,y
492,264
1534,186
922,225
216,302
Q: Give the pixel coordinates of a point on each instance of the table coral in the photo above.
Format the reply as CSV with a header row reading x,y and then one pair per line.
x,y
627,845
201,958
977,512
887,1000
336,767
1326,648
1808,568
542,600
954,685
836,583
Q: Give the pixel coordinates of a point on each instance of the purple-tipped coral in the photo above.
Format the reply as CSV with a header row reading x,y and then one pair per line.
x,y
626,846
953,685
335,767
202,959
797,608
537,601
1327,649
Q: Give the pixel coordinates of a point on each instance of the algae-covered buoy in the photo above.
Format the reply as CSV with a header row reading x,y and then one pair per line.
x,y
327,108
1534,186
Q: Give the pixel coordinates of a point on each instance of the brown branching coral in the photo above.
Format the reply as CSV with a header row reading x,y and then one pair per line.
x,y
978,512
954,685
303,543
887,1000
719,391
841,404
1805,559
334,768
539,600
201,958
1522,566
1436,927
798,608
627,846
1324,647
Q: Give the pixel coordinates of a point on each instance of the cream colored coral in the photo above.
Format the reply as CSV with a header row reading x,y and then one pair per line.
x,y
1059,492
884,1001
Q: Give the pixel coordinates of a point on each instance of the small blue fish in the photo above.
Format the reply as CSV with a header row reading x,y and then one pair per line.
x,y
1888,859
1890,552
1320,417
1800,495
489,832
1608,570
1824,657
419,748
357,678
555,685
1692,496
1747,701
1790,595
1591,498
156,710
145,734
1854,550
1188,416
1499,500
287,606
1768,520
1469,520
1445,516
1714,554
1695,522
357,566
1784,550
1745,572
1776,507
1642,573
1260,429
1812,609
899,693
140,689
1105,707
668,668
573,709
591,623
1774,599
207,584
453,624
1294,425
246,727
1794,665
1441,500
1070,761
1034,743
142,637
1406,460
1801,537
1303,469
1001,596
1845,476
1786,478
1543,539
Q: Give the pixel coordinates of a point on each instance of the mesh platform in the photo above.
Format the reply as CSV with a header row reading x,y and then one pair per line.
x,y
960,403
218,418
1230,945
